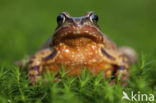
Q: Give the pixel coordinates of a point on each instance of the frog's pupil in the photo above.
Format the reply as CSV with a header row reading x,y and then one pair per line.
x,y
60,19
95,18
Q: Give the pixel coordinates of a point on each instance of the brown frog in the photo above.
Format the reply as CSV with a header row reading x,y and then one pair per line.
x,y
78,43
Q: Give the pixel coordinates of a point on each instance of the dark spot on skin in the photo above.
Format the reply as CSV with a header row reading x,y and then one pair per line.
x,y
106,54
51,56
30,62
119,67
34,68
114,71
31,76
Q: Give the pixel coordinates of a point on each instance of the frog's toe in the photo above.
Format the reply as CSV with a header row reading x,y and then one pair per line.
x,y
22,62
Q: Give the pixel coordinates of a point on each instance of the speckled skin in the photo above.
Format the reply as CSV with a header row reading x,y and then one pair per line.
x,y
78,43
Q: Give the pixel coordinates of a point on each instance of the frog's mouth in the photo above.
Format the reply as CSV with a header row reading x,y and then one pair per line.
x,y
78,39
79,36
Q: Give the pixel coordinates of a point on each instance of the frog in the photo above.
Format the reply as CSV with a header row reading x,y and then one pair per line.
x,y
79,43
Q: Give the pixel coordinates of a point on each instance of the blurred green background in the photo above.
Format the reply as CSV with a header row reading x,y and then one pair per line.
x,y
27,24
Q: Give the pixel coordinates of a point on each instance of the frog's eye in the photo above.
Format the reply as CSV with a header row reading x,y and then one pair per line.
x,y
93,18
61,19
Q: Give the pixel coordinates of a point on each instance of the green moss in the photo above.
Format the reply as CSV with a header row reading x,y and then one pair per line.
x,y
86,88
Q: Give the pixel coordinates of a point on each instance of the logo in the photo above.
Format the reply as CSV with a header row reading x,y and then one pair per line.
x,y
138,97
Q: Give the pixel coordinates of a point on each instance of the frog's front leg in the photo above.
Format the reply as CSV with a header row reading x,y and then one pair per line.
x,y
35,67
120,74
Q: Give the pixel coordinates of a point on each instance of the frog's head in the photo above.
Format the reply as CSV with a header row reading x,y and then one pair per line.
x,y
77,30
